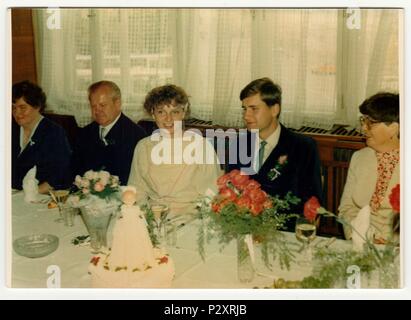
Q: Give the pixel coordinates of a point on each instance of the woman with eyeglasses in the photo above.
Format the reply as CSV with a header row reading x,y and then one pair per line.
x,y
172,166
374,170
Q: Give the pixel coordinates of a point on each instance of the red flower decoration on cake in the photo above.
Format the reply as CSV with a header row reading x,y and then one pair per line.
x,y
95,260
163,260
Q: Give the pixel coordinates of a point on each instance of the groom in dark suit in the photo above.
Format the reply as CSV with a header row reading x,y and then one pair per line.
x,y
108,142
281,160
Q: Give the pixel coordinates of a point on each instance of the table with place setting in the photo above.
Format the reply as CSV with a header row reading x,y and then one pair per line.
x,y
71,258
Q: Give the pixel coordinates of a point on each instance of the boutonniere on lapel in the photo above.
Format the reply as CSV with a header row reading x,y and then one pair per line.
x,y
31,143
275,172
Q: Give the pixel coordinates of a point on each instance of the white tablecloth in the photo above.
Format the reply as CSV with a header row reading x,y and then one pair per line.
x,y
218,271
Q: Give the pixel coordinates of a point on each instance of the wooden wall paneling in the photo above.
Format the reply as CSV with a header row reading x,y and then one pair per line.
x,y
23,51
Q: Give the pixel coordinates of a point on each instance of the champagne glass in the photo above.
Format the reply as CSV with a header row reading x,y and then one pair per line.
x,y
305,231
60,197
160,211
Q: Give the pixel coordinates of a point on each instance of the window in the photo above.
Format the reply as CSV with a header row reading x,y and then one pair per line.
x,y
324,67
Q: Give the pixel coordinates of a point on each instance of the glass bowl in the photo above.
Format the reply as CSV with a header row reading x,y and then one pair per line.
x,y
36,245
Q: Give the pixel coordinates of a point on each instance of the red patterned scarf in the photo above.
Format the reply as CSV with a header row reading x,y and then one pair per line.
x,y
387,161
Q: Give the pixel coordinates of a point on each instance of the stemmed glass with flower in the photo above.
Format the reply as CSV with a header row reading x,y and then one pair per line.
x,y
160,211
382,258
305,229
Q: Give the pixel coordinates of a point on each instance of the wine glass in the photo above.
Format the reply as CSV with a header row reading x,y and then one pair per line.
x,y
160,211
60,197
305,231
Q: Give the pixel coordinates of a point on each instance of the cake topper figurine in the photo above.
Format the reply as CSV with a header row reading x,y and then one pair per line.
x,y
132,262
129,195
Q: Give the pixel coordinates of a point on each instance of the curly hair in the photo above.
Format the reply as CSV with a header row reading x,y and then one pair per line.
x,y
166,95
31,93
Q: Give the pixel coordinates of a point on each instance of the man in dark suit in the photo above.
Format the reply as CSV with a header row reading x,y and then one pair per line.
x,y
281,161
108,142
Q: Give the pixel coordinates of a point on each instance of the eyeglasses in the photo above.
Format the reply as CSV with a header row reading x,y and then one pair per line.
x,y
176,113
368,121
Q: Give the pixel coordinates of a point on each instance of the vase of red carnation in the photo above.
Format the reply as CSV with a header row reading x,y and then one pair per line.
x,y
245,268
242,211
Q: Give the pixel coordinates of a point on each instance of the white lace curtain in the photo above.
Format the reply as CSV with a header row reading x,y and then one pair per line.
x,y
324,68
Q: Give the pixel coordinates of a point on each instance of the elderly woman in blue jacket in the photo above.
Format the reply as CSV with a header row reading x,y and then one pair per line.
x,y
37,141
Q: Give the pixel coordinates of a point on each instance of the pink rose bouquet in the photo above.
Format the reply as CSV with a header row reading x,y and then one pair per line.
x,y
98,183
99,187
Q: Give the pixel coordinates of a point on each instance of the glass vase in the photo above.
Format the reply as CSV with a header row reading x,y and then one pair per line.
x,y
245,268
389,276
97,220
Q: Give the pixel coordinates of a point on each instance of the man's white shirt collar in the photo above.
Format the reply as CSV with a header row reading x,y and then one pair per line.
x,y
108,127
272,142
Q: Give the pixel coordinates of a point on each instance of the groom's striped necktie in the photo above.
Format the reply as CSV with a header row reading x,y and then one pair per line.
x,y
261,154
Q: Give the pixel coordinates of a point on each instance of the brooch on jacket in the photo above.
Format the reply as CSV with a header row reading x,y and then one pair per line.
x,y
31,143
275,172
108,142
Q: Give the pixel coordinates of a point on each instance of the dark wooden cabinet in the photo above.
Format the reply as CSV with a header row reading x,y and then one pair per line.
x,y
335,154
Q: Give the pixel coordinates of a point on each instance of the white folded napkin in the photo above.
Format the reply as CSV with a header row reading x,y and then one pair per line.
x,y
30,186
360,225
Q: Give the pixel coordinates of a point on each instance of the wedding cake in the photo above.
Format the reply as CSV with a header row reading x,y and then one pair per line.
x,y
132,261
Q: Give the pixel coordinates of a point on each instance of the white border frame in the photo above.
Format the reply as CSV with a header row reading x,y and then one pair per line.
x,y
196,294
